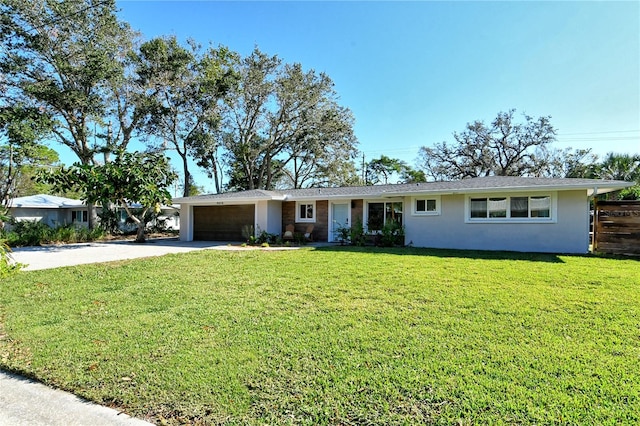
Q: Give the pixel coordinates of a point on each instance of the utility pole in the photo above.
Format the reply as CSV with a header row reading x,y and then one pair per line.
x,y
364,171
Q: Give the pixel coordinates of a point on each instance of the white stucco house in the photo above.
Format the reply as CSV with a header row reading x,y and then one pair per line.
x,y
48,209
487,213
59,211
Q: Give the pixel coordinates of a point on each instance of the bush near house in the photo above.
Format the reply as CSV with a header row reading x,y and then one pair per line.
x,y
336,335
34,233
7,265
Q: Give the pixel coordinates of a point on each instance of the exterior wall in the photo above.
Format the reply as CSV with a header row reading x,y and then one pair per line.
x,y
274,221
186,222
320,226
268,217
357,207
568,234
51,217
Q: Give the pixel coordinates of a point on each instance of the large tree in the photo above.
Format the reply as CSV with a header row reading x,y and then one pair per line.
x,y
283,126
380,170
63,56
131,178
183,90
20,153
502,148
565,163
67,57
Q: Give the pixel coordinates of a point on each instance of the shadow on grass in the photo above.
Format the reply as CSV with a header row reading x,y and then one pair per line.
x,y
447,253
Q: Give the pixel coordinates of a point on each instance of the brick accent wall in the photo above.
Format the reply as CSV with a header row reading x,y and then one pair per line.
x,y
357,207
321,225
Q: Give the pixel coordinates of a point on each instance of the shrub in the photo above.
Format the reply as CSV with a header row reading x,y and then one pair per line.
x,y
265,237
392,234
7,265
248,233
28,233
357,235
32,233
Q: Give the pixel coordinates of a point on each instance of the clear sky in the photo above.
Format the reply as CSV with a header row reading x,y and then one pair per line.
x,y
414,72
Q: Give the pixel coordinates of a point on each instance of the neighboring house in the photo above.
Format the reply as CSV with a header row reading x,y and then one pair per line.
x,y
488,213
58,211
48,209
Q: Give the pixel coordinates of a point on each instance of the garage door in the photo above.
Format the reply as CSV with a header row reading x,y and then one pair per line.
x,y
221,223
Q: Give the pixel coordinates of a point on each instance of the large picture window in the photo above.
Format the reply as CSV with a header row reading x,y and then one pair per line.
x,y
306,212
379,214
538,207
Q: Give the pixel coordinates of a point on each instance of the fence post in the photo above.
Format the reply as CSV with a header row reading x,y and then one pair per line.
x,y
594,243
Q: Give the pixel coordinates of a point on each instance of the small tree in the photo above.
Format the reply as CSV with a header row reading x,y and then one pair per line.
x,y
131,178
621,167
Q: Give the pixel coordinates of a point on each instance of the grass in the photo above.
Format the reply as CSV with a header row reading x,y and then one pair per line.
x,y
336,336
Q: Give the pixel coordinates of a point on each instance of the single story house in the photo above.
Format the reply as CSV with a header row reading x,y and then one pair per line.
x,y
58,211
48,209
486,213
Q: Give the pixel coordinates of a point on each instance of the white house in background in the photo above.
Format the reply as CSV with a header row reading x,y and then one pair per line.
x,y
487,213
48,209
58,211
169,215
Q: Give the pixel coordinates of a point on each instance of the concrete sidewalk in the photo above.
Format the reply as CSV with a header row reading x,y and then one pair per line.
x,y
24,402
55,256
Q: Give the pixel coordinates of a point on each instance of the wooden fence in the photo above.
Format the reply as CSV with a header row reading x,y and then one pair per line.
x,y
617,227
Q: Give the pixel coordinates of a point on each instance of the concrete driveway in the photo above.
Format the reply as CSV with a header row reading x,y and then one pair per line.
x,y
55,256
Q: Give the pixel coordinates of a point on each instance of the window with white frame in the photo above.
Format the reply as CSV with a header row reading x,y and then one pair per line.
x,y
382,213
511,208
425,206
306,211
79,216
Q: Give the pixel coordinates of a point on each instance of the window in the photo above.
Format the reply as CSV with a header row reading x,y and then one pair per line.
x,y
305,212
508,208
379,214
79,216
540,206
519,206
426,206
497,207
478,207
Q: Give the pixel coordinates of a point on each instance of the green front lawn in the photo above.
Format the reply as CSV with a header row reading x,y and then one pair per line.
x,y
336,336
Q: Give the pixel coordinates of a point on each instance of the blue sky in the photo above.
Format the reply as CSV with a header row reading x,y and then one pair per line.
x,y
415,72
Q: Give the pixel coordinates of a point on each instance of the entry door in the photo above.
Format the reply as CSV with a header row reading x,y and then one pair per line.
x,y
339,218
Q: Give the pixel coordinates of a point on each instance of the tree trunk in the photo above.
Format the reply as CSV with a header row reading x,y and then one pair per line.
x,y
187,180
216,178
140,238
91,215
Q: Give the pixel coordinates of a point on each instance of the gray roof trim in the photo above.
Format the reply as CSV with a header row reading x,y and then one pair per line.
x,y
466,186
242,196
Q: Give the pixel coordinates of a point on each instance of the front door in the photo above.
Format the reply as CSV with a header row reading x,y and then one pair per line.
x,y
339,219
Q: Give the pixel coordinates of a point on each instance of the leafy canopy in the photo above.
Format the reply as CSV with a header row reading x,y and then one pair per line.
x,y
131,178
502,148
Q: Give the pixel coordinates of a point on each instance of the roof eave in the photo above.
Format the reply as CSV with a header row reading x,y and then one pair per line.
x,y
224,200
